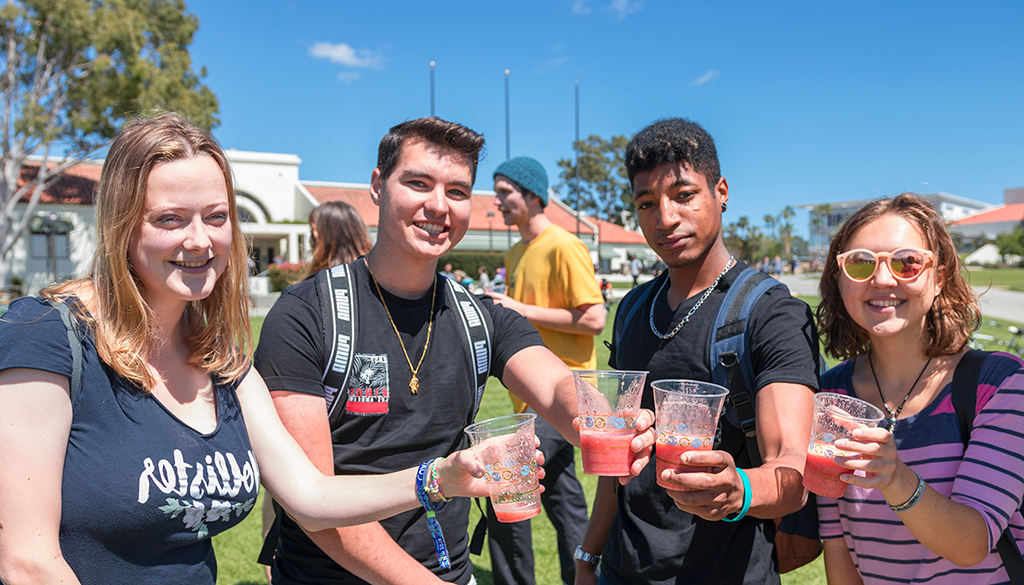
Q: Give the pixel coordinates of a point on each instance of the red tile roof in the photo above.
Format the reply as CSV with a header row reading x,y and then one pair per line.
x,y
359,198
999,214
77,186
613,233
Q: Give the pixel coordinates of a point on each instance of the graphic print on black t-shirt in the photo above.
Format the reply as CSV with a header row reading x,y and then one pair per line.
x,y
368,393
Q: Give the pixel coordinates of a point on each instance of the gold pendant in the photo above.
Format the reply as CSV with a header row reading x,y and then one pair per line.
x,y
414,384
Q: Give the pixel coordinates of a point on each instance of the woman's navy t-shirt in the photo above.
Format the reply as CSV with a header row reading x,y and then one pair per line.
x,y
142,492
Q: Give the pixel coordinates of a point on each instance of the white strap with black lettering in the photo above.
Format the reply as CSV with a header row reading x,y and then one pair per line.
x,y
337,289
476,324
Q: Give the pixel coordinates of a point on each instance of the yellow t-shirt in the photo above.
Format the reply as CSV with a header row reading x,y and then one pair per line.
x,y
555,270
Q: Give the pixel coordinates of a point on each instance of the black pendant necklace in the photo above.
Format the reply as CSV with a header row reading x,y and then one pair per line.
x,y
893,415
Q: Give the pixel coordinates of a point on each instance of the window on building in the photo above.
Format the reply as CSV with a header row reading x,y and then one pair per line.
x,y
37,244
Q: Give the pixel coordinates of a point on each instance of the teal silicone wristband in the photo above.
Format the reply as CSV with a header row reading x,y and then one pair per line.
x,y
746,498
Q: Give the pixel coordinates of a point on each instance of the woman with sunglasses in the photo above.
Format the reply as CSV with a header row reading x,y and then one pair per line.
x,y
919,508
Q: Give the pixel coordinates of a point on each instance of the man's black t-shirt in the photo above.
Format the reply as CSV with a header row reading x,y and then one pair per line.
x,y
652,541
384,427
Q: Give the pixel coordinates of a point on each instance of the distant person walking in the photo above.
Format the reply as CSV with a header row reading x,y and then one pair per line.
x,y
551,282
636,266
483,283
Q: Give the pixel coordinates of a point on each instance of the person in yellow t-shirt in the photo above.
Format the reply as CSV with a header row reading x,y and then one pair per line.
x,y
551,282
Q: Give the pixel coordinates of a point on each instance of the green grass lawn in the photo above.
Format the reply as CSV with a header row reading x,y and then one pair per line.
x,y
1008,278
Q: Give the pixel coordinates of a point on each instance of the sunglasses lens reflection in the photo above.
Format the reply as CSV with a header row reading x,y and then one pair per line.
x,y
860,266
907,264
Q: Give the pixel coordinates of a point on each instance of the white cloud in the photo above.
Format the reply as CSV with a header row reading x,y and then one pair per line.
x,y
553,63
345,54
580,7
623,8
711,74
348,76
556,62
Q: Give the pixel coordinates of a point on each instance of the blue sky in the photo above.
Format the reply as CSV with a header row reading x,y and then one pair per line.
x,y
808,102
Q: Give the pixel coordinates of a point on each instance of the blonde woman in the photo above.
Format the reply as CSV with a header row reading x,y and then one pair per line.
x,y
170,432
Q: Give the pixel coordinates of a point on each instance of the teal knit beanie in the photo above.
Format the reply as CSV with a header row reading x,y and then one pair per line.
x,y
528,174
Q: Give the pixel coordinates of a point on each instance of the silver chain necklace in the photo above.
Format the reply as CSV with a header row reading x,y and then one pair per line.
x,y
707,294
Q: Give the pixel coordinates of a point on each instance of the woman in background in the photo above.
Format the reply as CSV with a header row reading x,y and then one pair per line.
x,y
339,236
921,508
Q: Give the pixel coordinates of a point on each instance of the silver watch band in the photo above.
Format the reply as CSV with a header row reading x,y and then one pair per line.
x,y
581,555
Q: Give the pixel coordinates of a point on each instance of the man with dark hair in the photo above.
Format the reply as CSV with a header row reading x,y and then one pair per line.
x,y
551,282
720,530
402,381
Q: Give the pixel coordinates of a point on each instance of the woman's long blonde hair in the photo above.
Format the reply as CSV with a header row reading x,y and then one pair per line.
x,y
219,336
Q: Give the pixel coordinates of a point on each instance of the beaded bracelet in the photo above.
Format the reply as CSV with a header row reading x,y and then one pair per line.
x,y
432,487
914,499
432,524
747,497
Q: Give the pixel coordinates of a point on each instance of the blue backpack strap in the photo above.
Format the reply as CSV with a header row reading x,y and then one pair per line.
x,y
729,353
336,291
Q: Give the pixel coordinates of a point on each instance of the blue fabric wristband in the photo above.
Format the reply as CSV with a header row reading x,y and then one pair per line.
x,y
435,528
746,498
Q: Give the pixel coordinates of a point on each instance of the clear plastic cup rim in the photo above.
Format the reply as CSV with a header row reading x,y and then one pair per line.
x,y
514,420
609,373
862,419
722,391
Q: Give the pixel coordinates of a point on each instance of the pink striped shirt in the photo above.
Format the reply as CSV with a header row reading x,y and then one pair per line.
x,y
988,478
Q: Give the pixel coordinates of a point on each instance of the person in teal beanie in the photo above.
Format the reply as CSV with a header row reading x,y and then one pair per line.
x,y
551,282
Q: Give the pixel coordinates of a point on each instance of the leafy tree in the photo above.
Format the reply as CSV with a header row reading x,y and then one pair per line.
x,y
819,224
1012,243
744,240
604,189
784,225
71,72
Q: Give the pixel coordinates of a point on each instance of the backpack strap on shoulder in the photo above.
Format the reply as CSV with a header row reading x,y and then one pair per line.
x,y
965,391
477,328
336,291
966,378
75,343
729,353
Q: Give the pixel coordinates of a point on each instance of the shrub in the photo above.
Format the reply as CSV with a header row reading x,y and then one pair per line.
x,y
285,274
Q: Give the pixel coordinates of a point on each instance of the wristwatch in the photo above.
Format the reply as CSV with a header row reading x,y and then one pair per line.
x,y
581,555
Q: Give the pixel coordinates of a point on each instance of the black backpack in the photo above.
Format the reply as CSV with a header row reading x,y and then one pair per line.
x,y
965,403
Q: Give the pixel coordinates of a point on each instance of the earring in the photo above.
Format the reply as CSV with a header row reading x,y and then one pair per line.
x,y
723,207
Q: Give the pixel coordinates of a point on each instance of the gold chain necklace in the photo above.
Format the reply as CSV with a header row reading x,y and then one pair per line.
x,y
414,382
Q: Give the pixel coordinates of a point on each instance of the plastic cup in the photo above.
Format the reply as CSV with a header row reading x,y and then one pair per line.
x,y
835,417
609,402
506,447
687,414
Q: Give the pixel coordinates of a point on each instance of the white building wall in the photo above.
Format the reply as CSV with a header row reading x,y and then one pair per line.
x,y
270,178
